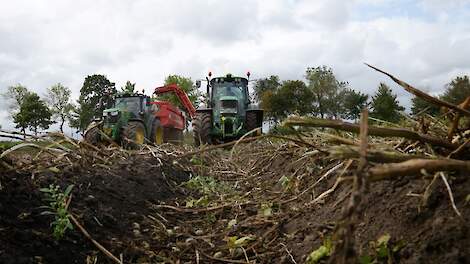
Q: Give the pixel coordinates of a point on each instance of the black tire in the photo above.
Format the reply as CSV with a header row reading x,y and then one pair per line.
x,y
155,127
251,121
92,136
179,138
130,138
202,124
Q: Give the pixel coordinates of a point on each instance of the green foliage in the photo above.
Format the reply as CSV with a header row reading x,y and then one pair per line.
x,y
58,98
353,103
286,183
457,90
96,95
323,251
418,105
382,250
266,209
186,84
58,207
33,114
293,96
207,185
261,86
327,91
385,105
4,145
128,88
15,95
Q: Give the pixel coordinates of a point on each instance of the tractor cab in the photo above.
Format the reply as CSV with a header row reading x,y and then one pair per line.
x,y
128,107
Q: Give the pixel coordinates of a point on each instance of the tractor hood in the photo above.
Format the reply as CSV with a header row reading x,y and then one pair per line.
x,y
111,112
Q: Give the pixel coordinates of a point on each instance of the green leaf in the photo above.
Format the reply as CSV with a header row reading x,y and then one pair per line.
x,y
45,190
47,213
232,223
365,259
382,246
190,203
383,240
231,241
398,246
68,190
317,255
243,241
54,169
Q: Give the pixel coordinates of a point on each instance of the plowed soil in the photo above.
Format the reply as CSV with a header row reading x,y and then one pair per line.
x,y
115,205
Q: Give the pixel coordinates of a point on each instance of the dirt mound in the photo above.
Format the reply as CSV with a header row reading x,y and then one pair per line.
x,y
277,199
111,201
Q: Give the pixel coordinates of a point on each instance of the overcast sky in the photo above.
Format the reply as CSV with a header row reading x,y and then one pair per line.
x,y
425,43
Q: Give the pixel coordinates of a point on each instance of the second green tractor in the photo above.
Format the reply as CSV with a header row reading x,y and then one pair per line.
x,y
228,113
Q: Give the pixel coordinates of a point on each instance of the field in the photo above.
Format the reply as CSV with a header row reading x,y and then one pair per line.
x,y
314,196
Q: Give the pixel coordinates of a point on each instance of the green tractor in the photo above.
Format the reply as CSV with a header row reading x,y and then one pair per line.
x,y
229,113
126,122
135,119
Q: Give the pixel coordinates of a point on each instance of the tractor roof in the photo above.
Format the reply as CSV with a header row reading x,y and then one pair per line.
x,y
228,78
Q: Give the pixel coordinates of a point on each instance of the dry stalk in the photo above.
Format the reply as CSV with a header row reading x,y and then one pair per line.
x,y
98,245
414,166
422,94
344,249
373,131
451,196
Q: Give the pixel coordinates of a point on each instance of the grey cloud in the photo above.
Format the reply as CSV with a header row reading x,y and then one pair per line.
x,y
45,42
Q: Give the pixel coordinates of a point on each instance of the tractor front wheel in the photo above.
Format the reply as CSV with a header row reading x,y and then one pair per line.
x,y
92,135
133,135
252,121
202,124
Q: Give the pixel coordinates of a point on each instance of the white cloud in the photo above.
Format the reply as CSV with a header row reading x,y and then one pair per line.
x,y
45,42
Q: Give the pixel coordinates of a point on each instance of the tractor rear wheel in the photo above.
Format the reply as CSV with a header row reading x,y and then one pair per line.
x,y
202,125
133,135
92,135
157,133
251,121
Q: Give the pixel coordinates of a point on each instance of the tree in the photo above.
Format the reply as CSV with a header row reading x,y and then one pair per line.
x,y
385,105
457,90
267,84
58,98
327,91
186,84
128,88
15,95
33,114
292,97
419,105
353,104
96,94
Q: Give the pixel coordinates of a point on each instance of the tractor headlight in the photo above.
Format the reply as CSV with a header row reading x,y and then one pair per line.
x,y
114,113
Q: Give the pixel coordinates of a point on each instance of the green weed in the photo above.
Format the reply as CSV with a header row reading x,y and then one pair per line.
x,y
58,207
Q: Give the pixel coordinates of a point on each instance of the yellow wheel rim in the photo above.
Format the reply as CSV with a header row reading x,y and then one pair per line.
x,y
159,136
139,136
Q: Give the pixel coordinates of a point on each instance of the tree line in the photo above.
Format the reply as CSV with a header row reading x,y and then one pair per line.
x,y
321,94
31,112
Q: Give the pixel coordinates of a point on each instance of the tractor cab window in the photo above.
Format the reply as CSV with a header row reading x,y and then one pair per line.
x,y
131,104
228,89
